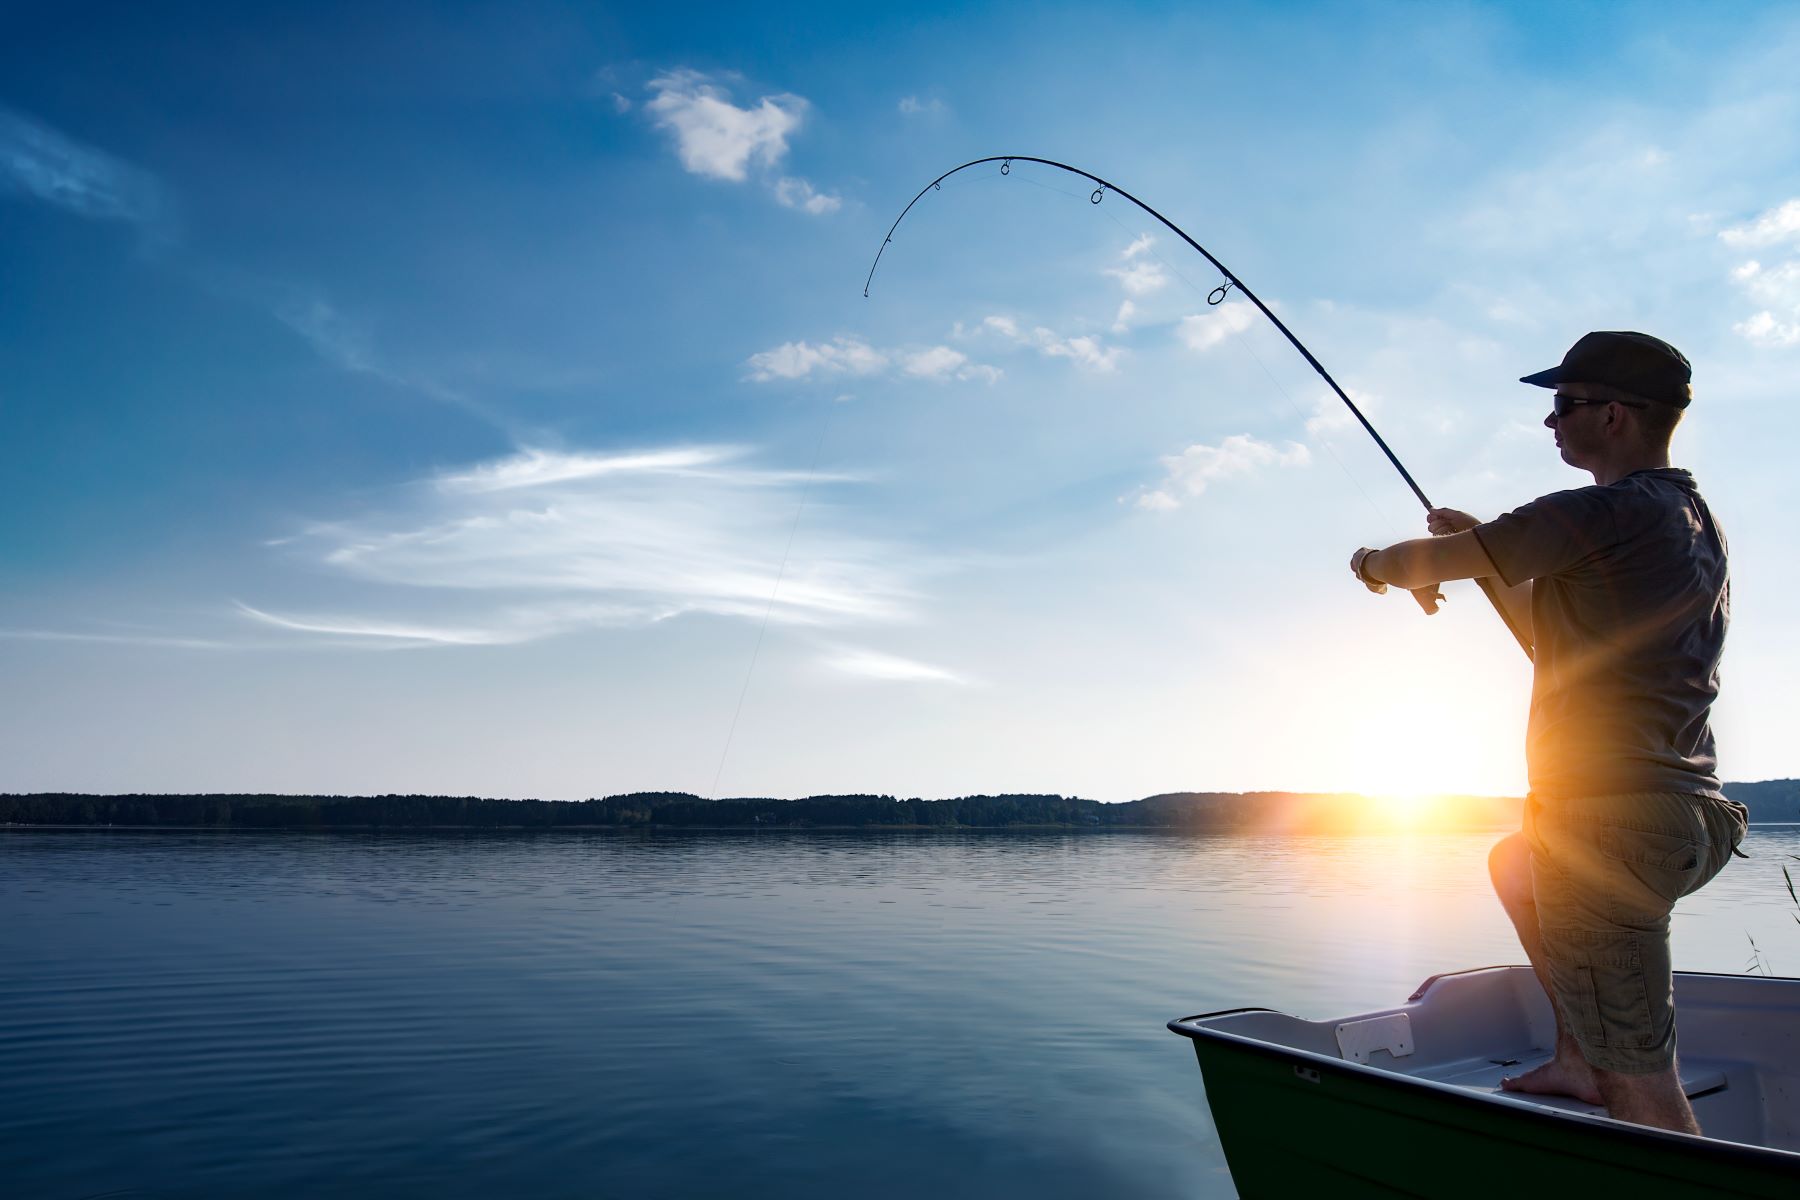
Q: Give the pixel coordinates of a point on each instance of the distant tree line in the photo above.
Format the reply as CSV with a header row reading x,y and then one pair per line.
x,y
1775,800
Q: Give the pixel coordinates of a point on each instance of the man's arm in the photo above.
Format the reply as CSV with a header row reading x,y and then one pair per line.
x,y
1423,563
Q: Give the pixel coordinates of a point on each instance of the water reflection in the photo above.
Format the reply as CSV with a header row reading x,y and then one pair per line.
x,y
786,1014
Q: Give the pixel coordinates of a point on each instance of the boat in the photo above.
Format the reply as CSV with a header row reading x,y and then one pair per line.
x,y
1407,1101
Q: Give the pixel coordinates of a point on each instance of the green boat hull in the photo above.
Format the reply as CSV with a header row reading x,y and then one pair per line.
x,y
1294,1124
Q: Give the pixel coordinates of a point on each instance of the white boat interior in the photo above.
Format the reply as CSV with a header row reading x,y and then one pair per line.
x,y
1738,1042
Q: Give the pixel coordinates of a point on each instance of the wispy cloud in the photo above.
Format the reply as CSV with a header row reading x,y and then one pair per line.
x,y
888,668
1190,473
115,639
543,542
392,632
40,162
1202,331
912,106
538,468
852,356
348,343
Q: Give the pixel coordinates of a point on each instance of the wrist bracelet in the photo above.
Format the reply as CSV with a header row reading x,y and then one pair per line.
x,y
1362,569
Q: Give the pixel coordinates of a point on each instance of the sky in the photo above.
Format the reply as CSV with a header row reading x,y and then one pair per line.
x,y
483,400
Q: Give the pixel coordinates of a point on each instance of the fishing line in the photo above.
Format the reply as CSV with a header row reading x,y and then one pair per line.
x,y
1215,297
1243,344
780,573
1237,338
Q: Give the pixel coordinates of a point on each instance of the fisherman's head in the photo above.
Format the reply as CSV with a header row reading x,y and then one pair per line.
x,y
1616,393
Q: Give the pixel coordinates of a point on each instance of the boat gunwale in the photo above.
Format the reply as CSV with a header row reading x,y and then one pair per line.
x,y
1747,1153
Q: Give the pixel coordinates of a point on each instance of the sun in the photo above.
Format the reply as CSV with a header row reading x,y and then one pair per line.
x,y
1406,810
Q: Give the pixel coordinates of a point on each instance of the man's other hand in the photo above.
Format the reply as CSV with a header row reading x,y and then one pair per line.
x,y
1429,598
1444,521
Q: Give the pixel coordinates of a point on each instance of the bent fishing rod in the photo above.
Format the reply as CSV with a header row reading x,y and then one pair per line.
x,y
1216,296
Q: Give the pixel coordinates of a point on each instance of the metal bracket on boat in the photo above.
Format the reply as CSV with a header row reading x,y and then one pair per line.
x,y
1357,1040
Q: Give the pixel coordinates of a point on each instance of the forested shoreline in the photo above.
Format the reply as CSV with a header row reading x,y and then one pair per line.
x,y
1770,801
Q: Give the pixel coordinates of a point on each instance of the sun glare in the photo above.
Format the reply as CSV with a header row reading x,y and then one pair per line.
x,y
1405,810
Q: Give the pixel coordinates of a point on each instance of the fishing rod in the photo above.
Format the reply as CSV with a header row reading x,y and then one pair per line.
x,y
1214,297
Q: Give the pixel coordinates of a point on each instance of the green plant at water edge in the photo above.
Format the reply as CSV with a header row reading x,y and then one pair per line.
x,y
1759,964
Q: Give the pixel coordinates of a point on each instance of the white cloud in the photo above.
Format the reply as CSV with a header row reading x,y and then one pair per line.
x,y
797,193
852,356
42,163
1766,329
543,543
1191,472
1778,285
1140,278
1140,245
912,106
938,362
1779,224
1122,322
1774,288
888,668
621,103
1201,332
797,360
713,136
1082,349
1087,351
1329,413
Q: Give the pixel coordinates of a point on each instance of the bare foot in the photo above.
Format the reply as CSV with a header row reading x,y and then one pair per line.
x,y
1558,1077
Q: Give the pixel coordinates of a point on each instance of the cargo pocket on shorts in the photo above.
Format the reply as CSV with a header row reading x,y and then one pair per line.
x,y
1666,867
1603,986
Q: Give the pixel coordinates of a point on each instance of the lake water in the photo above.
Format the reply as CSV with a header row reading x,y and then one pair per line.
x,y
795,1015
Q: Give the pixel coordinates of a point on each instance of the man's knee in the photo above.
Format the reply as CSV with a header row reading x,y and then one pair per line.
x,y
1509,866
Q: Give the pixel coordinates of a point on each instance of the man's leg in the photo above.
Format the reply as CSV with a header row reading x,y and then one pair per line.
x,y
1568,1074
1657,1099
1601,877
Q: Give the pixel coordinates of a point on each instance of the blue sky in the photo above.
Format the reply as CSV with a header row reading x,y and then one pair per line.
x,y
484,400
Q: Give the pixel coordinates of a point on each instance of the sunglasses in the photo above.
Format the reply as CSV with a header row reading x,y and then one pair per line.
x,y
1564,405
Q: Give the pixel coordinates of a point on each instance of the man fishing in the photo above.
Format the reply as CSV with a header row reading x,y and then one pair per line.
x,y
1623,592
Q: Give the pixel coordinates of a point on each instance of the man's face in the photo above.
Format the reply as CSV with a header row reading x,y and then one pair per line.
x,y
1580,427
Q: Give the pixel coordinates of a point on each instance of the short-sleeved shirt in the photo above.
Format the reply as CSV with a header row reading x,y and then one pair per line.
x,y
1629,605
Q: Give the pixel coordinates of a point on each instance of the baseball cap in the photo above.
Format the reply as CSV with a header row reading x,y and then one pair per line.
x,y
1633,362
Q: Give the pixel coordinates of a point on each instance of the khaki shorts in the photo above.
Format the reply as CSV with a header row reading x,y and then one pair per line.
x,y
1606,871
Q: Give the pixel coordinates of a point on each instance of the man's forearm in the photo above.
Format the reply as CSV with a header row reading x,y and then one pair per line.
x,y
1410,564
1422,562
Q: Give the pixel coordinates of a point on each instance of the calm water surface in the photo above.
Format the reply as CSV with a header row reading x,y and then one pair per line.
x,y
831,1014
